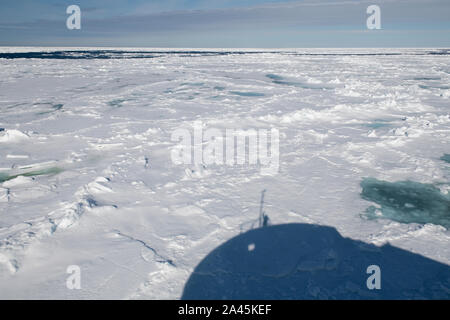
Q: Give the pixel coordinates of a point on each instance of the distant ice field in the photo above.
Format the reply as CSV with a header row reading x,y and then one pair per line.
x,y
86,176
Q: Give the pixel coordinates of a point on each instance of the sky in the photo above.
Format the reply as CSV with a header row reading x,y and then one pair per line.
x,y
226,23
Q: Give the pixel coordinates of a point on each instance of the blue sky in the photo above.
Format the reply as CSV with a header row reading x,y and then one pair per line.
x,y
226,23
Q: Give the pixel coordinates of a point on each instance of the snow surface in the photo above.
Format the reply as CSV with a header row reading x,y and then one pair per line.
x,y
86,176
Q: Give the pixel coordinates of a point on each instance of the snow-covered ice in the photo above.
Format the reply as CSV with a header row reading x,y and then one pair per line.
x,y
86,176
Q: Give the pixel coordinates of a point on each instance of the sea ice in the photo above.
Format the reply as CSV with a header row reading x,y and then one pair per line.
x,y
86,176
407,201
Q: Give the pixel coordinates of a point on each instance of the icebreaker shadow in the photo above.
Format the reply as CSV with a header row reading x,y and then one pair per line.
x,y
304,261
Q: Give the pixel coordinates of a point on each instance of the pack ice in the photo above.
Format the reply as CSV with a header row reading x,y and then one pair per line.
x,y
86,177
